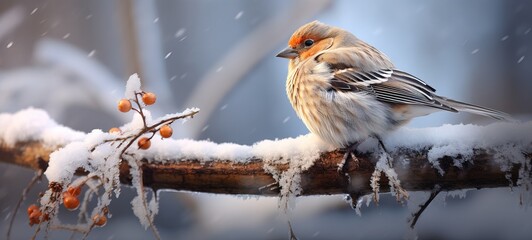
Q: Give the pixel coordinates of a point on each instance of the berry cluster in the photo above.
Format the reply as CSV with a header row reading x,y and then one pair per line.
x,y
148,98
35,214
122,141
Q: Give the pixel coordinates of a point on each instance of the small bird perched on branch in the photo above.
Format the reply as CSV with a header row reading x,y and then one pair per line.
x,y
345,90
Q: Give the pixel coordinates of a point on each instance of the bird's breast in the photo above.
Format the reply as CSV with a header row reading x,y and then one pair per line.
x,y
339,118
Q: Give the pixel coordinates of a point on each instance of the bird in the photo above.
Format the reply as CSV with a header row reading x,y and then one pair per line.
x,y
346,91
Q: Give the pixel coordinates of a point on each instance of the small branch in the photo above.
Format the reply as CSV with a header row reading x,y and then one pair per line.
x,y
417,214
32,182
139,110
228,177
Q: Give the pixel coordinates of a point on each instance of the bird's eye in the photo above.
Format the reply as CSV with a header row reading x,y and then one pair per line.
x,y
308,42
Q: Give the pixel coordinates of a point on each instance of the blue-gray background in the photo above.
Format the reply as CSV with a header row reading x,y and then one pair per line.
x,y
72,58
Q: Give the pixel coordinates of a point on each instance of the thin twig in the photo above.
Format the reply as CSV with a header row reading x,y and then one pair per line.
x,y
416,215
83,208
72,228
140,110
32,182
291,231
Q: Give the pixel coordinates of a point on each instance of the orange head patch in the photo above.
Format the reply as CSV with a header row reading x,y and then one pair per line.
x,y
295,41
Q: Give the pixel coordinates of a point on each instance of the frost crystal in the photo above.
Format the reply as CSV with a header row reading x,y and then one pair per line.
x,y
384,165
299,153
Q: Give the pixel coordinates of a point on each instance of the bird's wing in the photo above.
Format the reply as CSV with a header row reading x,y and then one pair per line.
x,y
387,85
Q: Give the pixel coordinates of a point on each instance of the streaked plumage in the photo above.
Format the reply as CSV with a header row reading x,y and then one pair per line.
x,y
345,90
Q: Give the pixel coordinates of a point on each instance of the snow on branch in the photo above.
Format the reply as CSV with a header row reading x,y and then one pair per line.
x,y
451,156
225,175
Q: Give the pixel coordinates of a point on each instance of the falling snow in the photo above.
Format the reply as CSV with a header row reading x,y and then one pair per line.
x,y
475,51
91,53
168,55
239,15
10,44
34,11
520,59
180,33
504,38
66,36
286,119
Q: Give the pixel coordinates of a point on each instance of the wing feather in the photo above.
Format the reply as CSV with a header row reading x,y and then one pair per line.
x,y
388,85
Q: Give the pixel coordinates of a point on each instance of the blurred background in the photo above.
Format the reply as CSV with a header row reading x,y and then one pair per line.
x,y
72,58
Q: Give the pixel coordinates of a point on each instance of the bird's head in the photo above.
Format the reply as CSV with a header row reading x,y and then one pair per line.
x,y
310,39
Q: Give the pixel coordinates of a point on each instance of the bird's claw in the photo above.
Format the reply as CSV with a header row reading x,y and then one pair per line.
x,y
271,187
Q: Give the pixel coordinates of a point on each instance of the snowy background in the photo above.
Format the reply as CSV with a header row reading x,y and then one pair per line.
x,y
72,59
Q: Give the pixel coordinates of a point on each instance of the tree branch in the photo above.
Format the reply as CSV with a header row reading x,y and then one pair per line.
x,y
229,177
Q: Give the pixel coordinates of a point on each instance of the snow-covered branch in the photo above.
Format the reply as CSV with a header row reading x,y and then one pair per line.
x,y
453,157
444,158
323,176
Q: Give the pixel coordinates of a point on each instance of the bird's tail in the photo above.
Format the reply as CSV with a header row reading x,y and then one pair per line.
x,y
466,107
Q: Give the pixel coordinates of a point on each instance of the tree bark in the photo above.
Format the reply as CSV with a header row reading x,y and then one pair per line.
x,y
228,177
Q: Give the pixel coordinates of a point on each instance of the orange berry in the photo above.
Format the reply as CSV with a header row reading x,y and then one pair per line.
x,y
35,217
99,220
144,143
32,208
149,98
74,191
124,105
71,202
114,130
166,131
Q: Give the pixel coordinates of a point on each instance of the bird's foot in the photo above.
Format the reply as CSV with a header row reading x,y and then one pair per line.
x,y
343,166
270,187
400,193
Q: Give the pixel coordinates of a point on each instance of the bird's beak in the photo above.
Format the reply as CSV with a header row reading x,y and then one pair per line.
x,y
288,53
